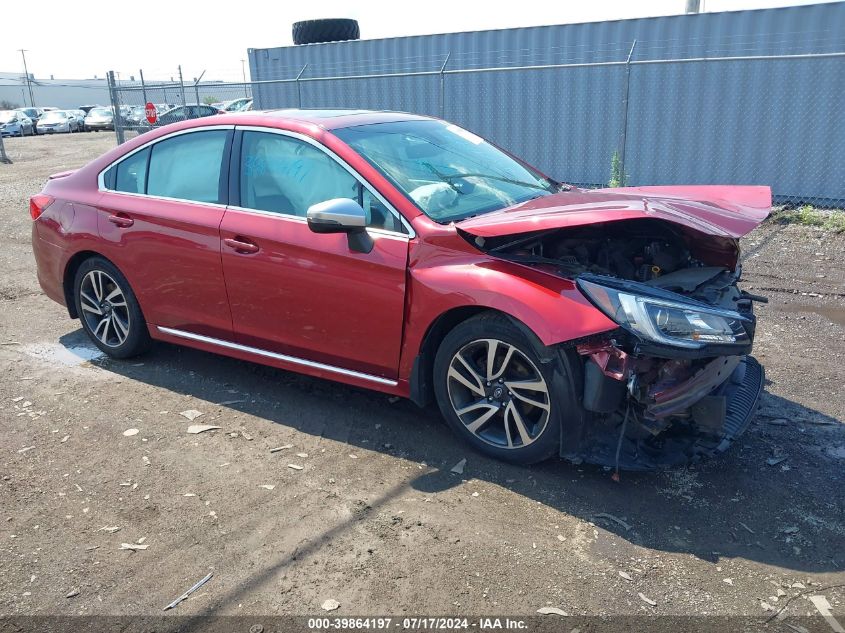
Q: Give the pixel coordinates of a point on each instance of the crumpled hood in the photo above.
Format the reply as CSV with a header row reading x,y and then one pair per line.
x,y
719,210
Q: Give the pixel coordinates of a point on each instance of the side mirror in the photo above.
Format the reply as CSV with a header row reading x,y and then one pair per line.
x,y
341,215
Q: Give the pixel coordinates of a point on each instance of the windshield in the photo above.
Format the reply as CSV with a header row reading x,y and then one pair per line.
x,y
6,116
448,172
54,115
100,112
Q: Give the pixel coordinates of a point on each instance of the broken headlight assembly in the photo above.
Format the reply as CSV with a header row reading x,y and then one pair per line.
x,y
664,318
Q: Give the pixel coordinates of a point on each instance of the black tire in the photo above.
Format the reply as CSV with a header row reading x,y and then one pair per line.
x,y
136,338
494,437
332,30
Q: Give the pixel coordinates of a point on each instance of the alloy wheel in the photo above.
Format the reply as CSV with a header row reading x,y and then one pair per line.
x,y
104,308
498,393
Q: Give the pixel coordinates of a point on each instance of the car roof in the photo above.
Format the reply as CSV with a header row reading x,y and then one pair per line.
x,y
328,119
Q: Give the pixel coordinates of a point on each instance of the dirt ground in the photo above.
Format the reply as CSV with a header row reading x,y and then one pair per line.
x,y
374,518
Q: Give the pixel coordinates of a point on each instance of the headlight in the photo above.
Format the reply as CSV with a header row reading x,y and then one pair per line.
x,y
667,322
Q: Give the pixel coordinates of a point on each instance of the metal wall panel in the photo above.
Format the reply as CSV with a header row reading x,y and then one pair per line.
x,y
750,121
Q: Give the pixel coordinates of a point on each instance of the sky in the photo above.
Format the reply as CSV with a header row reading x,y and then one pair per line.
x,y
159,36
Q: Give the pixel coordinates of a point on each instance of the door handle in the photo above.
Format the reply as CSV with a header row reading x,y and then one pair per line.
x,y
241,245
121,220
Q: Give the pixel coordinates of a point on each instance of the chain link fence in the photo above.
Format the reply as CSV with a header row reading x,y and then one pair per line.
x,y
759,119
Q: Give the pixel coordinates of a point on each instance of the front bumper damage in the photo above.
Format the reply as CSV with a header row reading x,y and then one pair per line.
x,y
647,413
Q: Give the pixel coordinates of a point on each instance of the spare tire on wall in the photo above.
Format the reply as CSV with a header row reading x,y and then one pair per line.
x,y
333,30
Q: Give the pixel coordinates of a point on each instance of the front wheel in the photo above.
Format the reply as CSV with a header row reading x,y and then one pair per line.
x,y
108,309
497,394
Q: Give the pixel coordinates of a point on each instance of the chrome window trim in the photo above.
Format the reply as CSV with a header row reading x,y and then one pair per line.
x,y
280,357
298,218
166,199
354,173
101,185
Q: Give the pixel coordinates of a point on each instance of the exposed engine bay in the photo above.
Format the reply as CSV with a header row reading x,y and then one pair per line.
x,y
663,393
646,251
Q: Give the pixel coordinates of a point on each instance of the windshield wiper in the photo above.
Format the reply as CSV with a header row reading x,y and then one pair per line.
x,y
448,178
531,185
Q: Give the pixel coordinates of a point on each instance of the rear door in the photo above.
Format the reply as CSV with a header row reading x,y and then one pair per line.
x,y
159,218
303,294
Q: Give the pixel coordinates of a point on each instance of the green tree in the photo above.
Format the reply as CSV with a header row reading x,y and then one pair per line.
x,y
617,177
209,99
8,105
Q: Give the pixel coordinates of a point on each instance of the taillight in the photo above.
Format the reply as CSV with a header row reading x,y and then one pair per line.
x,y
39,203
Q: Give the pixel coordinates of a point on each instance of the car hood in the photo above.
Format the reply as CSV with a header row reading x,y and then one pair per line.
x,y
725,211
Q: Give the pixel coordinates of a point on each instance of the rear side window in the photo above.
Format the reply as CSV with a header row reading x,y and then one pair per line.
x,y
188,166
131,173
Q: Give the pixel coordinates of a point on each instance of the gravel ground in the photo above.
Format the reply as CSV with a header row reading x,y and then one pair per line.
x,y
372,516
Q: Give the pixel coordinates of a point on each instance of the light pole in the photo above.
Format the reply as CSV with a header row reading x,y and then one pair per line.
x,y
243,71
26,74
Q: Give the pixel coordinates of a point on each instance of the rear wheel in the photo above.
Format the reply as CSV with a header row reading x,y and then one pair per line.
x,y
497,394
108,309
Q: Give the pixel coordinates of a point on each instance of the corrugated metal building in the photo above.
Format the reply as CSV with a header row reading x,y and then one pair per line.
x,y
59,93
745,97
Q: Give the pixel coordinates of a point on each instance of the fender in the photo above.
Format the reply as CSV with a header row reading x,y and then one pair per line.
x,y
551,307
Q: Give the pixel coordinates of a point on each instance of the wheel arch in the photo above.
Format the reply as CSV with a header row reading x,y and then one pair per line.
x,y
71,268
421,380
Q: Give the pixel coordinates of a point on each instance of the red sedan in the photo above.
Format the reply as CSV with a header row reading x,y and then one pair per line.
x,y
405,254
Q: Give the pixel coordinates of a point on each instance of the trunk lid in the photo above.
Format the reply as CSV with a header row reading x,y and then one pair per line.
x,y
720,210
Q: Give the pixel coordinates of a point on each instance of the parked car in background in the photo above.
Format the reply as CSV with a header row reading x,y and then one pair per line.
x,y
236,105
33,114
15,123
189,111
79,115
137,116
58,122
49,108
406,254
87,108
99,118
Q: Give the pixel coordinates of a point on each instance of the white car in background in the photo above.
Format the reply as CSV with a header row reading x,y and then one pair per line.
x,y
99,119
57,122
15,123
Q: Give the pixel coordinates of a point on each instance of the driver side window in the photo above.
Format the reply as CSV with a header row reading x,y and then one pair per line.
x,y
284,175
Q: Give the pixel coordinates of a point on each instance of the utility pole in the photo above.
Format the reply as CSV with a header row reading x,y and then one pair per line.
x,y
243,71
26,74
182,89
693,6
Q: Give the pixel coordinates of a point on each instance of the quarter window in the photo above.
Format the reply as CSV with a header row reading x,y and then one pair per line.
x,y
131,173
187,167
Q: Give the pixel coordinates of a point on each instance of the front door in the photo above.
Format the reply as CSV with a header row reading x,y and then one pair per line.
x,y
303,294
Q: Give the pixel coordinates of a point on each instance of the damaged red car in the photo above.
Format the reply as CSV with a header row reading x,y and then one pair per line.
x,y
406,254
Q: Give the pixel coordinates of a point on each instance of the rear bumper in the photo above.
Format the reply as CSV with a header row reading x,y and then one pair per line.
x,y
49,267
